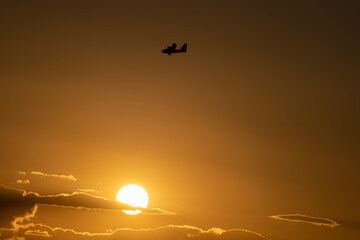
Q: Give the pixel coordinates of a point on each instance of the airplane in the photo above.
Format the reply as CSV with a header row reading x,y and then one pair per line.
x,y
172,49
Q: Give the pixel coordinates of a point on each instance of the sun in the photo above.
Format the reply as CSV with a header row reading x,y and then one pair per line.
x,y
133,195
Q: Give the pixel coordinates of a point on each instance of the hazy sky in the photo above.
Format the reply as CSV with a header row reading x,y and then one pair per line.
x,y
257,122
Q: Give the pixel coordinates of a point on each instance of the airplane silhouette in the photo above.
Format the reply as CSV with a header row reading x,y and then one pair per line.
x,y
172,49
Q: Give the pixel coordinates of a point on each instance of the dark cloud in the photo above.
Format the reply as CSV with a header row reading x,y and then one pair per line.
x,y
19,223
16,197
12,204
306,219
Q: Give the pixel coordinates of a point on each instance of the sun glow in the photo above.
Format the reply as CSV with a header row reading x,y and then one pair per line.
x,y
133,195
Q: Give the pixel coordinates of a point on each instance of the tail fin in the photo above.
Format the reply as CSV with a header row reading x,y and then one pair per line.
x,y
183,48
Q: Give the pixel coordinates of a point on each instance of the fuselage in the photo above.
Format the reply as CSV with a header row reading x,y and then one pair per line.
x,y
171,51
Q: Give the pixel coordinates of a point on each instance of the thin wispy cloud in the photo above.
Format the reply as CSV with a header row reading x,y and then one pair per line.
x,y
26,181
37,233
306,219
180,232
88,190
61,176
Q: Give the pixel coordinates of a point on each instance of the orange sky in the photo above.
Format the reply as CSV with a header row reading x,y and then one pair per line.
x,y
259,118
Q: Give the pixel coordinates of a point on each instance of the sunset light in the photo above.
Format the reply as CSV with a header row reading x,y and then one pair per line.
x,y
180,120
133,195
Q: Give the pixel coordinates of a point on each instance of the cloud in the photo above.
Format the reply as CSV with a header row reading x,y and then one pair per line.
x,y
22,173
37,232
306,219
74,200
61,176
12,204
88,190
174,232
88,201
19,223
26,181
23,227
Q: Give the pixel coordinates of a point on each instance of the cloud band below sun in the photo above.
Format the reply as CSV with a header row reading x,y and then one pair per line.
x,y
22,226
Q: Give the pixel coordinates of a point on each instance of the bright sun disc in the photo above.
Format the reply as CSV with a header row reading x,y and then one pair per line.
x,y
133,195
